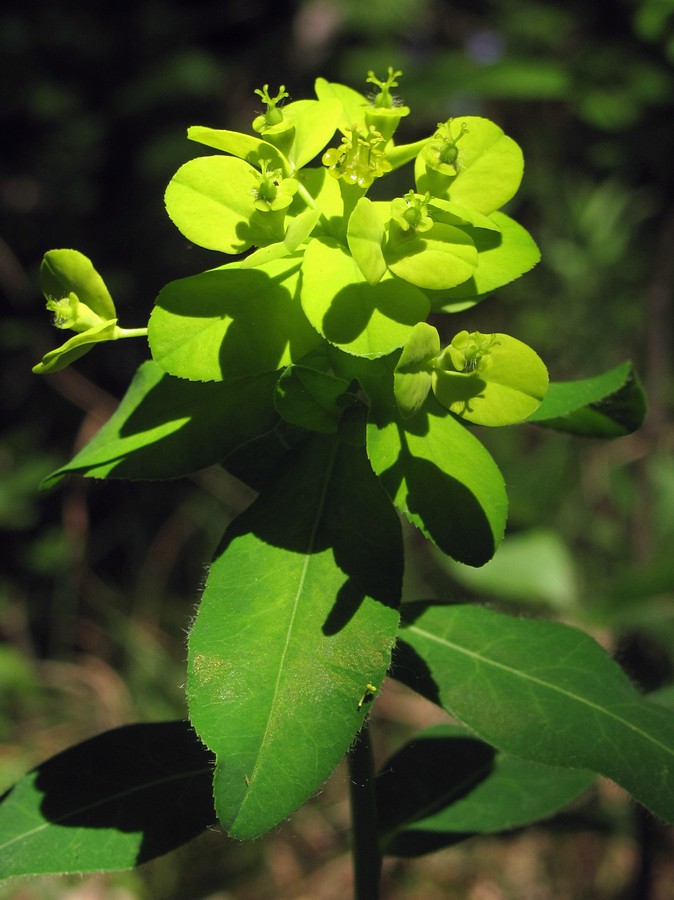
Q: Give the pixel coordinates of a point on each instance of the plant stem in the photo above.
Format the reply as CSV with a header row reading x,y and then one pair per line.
x,y
365,850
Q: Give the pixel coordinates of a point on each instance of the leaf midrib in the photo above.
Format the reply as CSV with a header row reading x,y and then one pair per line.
x,y
525,676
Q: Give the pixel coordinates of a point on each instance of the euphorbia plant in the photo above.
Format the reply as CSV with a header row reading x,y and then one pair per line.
x,y
316,368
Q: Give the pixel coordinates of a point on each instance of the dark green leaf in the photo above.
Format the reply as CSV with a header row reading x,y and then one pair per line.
x,y
310,399
297,618
542,691
446,785
112,802
166,427
607,405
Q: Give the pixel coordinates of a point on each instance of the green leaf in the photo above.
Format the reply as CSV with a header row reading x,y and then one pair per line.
x,y
531,567
445,786
315,123
490,167
362,319
211,201
112,802
435,260
229,322
503,256
353,104
412,376
607,405
542,691
248,147
509,381
310,398
365,234
438,474
296,234
66,271
166,427
75,347
297,618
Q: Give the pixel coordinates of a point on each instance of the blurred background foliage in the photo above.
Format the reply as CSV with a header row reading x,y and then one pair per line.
x,y
99,580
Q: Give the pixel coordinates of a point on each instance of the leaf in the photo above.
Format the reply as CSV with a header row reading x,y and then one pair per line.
x,y
66,271
297,618
230,322
412,376
167,427
607,405
211,201
248,147
310,398
112,802
445,786
435,260
531,567
353,104
362,319
75,347
490,167
439,476
296,234
509,382
365,234
503,257
315,123
542,691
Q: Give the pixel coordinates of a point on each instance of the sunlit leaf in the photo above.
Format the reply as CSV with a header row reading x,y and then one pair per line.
x,y
437,259
490,167
166,427
211,201
362,319
297,618
229,322
507,384
365,234
542,691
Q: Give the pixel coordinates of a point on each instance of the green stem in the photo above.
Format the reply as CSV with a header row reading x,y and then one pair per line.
x,y
130,332
366,853
309,200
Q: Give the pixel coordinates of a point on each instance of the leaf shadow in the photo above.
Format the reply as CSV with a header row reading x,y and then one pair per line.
x,y
153,779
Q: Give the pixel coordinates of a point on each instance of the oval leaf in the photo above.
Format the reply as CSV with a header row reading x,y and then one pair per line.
x,y
542,691
230,322
362,319
211,201
365,234
443,480
248,147
63,271
278,665
490,166
509,382
435,260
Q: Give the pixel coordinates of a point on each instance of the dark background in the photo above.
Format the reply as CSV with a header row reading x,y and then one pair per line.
x,y
99,581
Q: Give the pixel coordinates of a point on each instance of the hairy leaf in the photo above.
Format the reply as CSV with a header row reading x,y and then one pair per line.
x,y
297,618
